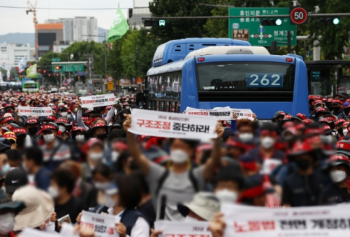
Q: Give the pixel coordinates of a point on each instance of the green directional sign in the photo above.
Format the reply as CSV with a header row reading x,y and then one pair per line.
x,y
261,31
76,67
56,60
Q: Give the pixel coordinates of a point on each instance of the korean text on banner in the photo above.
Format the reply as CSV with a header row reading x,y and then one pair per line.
x,y
176,228
34,111
98,100
103,225
243,221
152,123
219,114
241,113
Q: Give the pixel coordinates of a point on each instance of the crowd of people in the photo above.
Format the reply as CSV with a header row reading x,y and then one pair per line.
x,y
54,167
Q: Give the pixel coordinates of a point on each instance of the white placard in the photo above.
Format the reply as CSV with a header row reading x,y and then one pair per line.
x,y
98,100
67,230
180,228
244,221
29,232
162,124
103,225
269,165
219,114
34,111
241,113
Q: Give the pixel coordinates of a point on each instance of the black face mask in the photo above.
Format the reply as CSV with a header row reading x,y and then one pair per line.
x,y
336,108
102,137
340,131
32,131
20,141
303,164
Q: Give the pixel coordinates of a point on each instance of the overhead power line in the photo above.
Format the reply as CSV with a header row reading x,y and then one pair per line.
x,y
73,9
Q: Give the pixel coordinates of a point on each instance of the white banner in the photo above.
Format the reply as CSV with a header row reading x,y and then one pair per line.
x,y
34,111
244,113
29,232
103,225
244,221
162,124
183,229
98,100
219,114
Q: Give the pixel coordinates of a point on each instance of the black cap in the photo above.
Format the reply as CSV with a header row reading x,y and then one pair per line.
x,y
15,179
230,170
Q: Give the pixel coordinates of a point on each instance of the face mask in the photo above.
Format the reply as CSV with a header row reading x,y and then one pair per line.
x,y
127,107
20,141
108,201
190,219
115,156
80,138
53,192
226,196
75,110
32,131
102,137
245,137
63,114
96,156
61,128
345,132
338,175
178,156
49,137
7,223
303,164
320,117
69,116
267,142
317,107
102,186
5,168
340,131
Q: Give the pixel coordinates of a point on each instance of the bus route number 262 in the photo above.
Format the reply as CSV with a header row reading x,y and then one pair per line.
x,y
264,80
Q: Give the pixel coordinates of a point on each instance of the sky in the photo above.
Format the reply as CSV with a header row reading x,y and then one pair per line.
x,y
16,20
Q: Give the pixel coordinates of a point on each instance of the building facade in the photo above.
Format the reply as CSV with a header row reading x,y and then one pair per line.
x,y
140,10
46,35
11,54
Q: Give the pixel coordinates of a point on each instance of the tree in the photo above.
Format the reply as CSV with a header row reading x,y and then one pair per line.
x,y
178,29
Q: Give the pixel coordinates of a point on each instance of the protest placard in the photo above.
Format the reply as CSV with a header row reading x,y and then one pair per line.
x,y
183,229
241,113
244,221
103,225
220,113
98,100
162,124
29,232
34,111
67,230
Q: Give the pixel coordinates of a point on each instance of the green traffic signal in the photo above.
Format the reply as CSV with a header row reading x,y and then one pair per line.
x,y
336,21
278,22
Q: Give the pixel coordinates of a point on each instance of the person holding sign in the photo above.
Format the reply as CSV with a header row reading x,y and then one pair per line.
x,y
180,183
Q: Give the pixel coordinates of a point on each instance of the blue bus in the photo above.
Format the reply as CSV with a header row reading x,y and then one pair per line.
x,y
235,76
175,50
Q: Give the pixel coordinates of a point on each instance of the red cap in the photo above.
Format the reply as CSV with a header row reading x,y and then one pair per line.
x,y
10,135
61,120
336,101
121,145
99,125
339,121
52,118
317,102
308,121
48,127
302,116
93,141
75,129
20,131
321,110
300,148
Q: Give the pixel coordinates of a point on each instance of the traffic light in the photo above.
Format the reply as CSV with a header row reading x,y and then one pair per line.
x,y
329,21
57,68
17,68
150,22
161,23
44,71
271,22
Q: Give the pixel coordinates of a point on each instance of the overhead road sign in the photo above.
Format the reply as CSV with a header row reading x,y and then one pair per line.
x,y
262,25
298,16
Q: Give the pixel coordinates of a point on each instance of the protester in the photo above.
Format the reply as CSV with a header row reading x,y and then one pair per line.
x,y
15,179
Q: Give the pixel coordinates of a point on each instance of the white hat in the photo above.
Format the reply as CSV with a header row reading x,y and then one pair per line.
x,y
7,115
203,204
39,207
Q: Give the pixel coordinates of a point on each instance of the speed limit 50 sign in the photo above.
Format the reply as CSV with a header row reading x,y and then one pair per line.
x,y
298,16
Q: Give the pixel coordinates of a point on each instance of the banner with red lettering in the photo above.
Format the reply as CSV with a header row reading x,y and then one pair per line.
x,y
241,113
103,225
34,111
183,229
219,114
163,124
98,100
245,221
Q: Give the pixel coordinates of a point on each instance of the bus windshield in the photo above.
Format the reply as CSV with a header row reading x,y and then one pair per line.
x,y
245,76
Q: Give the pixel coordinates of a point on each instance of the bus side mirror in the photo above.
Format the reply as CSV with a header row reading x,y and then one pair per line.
x,y
273,47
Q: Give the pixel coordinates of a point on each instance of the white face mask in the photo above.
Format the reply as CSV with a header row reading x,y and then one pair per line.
x,y
190,219
226,196
345,132
62,128
69,116
108,201
178,156
95,156
63,114
267,142
7,223
127,107
53,192
115,156
102,186
338,175
245,137
80,138
49,137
